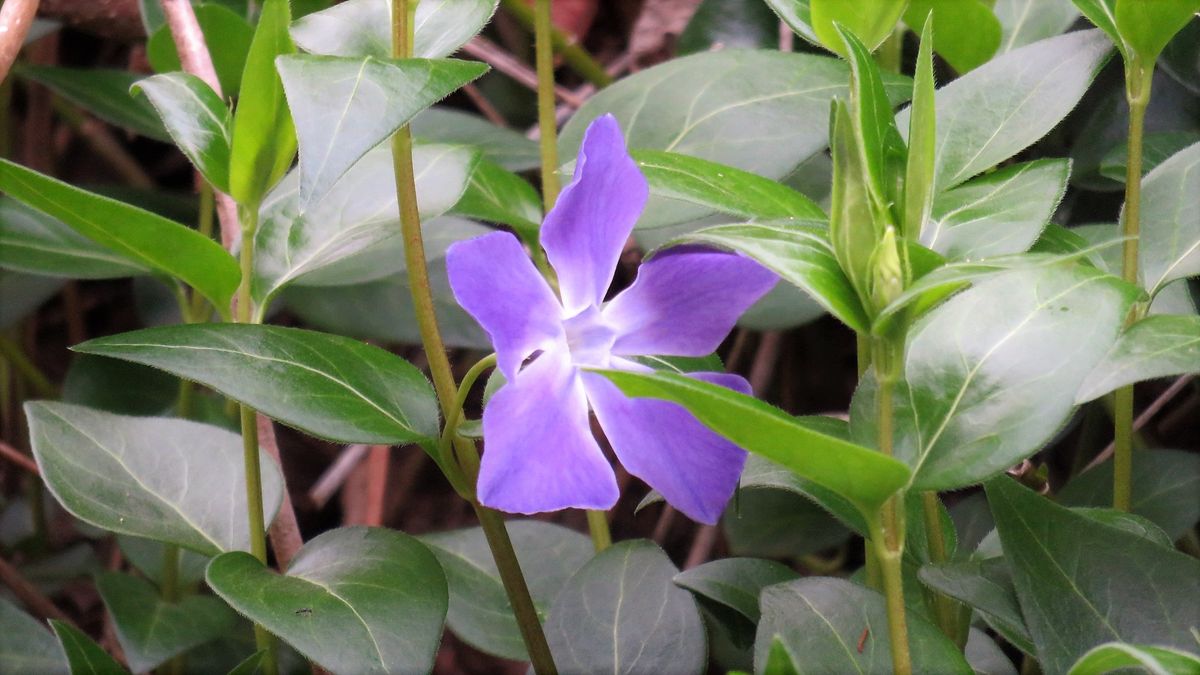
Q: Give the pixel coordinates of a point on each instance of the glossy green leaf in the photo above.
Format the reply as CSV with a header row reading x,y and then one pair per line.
x,y
321,245
1164,487
965,32
138,236
799,254
337,388
197,119
85,656
1102,13
1156,346
985,656
1138,592
998,213
1156,149
223,28
862,476
620,613
506,147
1118,656
1004,106
1181,58
354,599
162,478
1104,244
722,188
797,14
987,587
853,228
1147,27
735,582
758,111
497,195
729,24
119,387
922,141
363,28
869,20
26,646
820,620
1169,247
1024,22
33,242
344,106
762,473
770,523
250,665
992,373
479,610
147,556
102,92
264,136
152,630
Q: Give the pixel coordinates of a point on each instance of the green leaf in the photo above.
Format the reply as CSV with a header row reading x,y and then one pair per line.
x,y
870,20
1181,58
102,92
1005,105
26,647
729,24
1170,221
162,478
197,119
865,477
1147,27
965,32
496,195
1103,243
759,111
363,28
797,14
506,147
354,599
985,656
250,665
799,254
147,556
86,657
1073,599
780,523
999,213
820,620
344,106
33,242
853,228
922,137
152,630
140,237
479,610
1024,22
987,586
1156,346
1102,14
620,613
722,188
762,473
1113,656
264,136
1156,148
1164,487
338,388
119,387
323,245
227,33
992,373
735,582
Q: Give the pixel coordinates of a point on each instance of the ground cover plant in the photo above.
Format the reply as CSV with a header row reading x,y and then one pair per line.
x,y
773,336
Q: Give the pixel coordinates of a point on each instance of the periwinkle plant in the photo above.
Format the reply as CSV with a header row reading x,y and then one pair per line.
x,y
994,321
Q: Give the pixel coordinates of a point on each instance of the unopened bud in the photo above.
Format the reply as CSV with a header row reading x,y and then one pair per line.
x,y
887,271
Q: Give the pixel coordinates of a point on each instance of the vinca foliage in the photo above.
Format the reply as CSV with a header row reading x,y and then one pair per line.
x,y
997,204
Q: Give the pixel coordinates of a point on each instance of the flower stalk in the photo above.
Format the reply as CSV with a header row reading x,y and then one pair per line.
x,y
577,57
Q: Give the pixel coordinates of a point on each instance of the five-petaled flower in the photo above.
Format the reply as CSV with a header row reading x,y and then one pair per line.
x,y
539,452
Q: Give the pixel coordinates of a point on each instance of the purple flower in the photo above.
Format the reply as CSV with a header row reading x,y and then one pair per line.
x,y
540,454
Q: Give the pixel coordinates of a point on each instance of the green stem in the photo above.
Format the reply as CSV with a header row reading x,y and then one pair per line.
x,y
1137,92
577,57
547,123
439,365
170,573
598,527
946,610
518,592
26,368
206,219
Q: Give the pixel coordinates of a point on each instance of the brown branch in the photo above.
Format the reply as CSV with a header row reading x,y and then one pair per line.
x,y
19,458
378,462
16,16
333,478
487,51
196,60
284,531
485,106
29,595
1143,419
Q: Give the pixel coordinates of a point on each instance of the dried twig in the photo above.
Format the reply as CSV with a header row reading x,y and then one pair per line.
x,y
16,16
490,53
333,478
485,106
702,546
284,531
28,594
378,461
19,458
1147,414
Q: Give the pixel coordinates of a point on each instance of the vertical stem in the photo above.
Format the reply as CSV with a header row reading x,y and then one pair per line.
x,y
598,526
439,366
1137,92
170,573
887,530
945,609
575,56
547,124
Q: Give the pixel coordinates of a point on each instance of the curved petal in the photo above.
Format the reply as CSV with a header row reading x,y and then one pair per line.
x,y
660,442
585,231
685,301
496,282
539,452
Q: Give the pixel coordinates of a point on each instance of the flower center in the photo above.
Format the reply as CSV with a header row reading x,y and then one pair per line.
x,y
589,340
